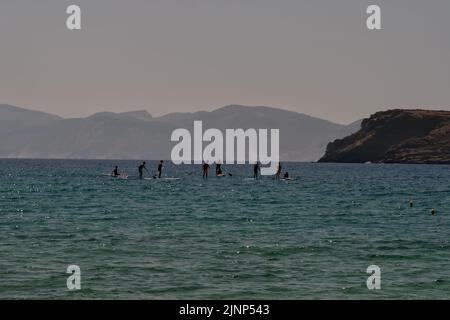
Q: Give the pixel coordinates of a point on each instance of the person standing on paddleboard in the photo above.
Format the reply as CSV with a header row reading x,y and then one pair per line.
x,y
218,169
141,169
278,174
115,172
256,170
160,166
205,168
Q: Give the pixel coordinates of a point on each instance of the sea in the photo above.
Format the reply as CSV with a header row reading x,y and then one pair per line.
x,y
223,238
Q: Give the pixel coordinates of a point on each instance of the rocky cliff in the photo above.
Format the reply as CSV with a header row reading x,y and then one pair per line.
x,y
396,136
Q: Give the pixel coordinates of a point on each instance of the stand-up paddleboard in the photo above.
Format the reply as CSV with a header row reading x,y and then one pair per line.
x,y
221,175
287,179
122,176
164,179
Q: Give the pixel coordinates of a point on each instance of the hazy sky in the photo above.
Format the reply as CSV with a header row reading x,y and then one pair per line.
x,y
315,57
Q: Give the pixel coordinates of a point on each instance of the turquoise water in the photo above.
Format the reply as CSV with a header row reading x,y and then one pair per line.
x,y
225,238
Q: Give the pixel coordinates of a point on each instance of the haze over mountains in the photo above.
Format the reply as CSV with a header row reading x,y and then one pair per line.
x,y
137,135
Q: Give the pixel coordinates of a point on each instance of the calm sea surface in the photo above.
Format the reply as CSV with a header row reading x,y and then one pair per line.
x,y
231,238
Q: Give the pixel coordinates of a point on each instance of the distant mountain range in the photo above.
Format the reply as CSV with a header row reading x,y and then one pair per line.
x,y
396,136
138,135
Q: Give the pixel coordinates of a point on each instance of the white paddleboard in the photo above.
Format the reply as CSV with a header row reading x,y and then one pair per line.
x,y
122,176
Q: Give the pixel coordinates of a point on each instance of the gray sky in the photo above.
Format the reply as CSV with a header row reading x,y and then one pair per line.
x,y
315,57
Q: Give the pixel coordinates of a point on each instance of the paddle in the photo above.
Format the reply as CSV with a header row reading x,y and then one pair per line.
x,y
226,171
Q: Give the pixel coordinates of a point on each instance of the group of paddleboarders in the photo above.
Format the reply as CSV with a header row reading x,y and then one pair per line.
x,y
141,168
205,170
257,171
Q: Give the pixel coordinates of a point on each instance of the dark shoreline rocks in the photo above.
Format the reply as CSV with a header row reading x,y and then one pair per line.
x,y
396,136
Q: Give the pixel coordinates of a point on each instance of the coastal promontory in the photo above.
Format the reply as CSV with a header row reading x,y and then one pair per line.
x,y
396,136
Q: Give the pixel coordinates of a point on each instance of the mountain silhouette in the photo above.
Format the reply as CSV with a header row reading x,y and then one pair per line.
x,y
138,135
